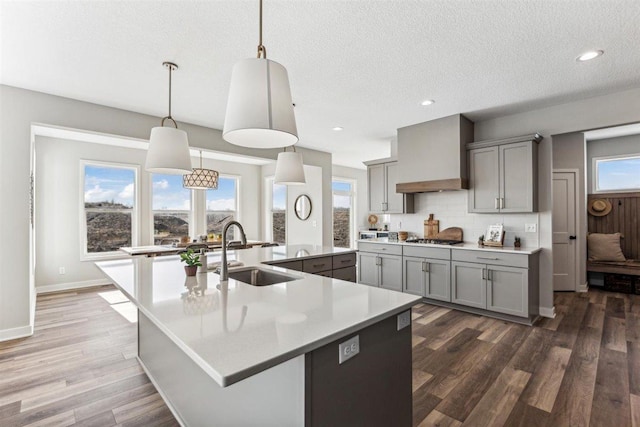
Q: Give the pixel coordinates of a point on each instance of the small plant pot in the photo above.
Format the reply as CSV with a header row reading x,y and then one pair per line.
x,y
191,270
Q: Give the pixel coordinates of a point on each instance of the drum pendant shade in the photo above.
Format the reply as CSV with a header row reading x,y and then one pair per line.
x,y
168,151
289,169
259,110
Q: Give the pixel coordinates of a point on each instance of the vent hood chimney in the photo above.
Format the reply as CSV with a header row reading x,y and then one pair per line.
x,y
432,155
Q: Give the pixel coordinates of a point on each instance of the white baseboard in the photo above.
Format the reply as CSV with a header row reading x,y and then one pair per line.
x,y
71,285
584,287
14,333
549,312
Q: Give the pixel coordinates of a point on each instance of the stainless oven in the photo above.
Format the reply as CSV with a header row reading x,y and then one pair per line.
x,y
372,234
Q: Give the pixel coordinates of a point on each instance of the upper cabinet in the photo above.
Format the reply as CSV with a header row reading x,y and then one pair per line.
x,y
503,175
382,179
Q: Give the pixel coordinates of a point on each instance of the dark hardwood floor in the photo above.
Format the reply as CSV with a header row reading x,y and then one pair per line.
x,y
581,368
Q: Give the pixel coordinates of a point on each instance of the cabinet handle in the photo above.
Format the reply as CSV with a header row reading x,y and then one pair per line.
x,y
492,259
489,275
496,203
318,265
501,202
345,261
425,266
378,260
484,274
383,249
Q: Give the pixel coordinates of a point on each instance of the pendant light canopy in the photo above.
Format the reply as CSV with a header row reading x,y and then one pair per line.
x,y
289,168
201,179
168,147
259,110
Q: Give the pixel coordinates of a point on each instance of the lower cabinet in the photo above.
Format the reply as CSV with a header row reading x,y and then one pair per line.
x,y
491,287
427,277
339,266
380,268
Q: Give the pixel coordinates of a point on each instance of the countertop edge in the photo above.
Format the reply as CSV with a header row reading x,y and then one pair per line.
x,y
463,246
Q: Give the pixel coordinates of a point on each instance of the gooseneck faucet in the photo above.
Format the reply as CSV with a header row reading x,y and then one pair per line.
x,y
224,271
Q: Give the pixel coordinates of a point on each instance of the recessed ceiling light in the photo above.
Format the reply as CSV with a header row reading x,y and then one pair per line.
x,y
589,55
337,128
428,102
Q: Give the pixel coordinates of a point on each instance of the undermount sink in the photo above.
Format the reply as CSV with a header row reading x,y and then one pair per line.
x,y
260,276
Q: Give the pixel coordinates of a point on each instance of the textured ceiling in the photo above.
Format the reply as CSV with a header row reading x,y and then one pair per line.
x,y
362,65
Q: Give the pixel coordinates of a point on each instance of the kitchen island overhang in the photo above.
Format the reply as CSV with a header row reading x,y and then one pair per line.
x,y
238,334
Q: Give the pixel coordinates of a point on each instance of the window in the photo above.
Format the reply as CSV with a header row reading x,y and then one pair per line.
x,y
277,212
620,173
110,208
222,206
171,208
343,215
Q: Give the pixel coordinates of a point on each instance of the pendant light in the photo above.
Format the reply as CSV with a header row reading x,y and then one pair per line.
x,y
259,109
289,168
168,147
201,179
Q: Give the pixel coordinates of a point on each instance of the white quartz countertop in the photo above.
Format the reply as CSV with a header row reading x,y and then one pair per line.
x,y
233,330
466,246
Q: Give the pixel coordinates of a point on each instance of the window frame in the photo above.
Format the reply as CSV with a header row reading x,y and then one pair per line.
x,y
594,173
269,182
135,211
353,196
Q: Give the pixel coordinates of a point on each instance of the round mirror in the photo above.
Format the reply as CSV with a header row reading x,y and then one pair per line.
x,y
303,207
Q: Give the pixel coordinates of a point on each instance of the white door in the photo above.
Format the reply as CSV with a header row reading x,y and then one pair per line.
x,y
564,231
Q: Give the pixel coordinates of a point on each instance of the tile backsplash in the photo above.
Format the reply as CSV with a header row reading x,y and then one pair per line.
x,y
450,207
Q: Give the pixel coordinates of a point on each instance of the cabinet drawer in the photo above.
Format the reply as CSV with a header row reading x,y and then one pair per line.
x,y
344,260
495,258
292,265
380,248
315,265
347,273
423,252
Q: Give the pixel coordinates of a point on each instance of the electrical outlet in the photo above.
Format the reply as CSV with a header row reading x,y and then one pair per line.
x,y
530,228
404,319
348,349
61,270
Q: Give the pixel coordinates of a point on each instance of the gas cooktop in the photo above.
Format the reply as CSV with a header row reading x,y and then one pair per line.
x,y
435,241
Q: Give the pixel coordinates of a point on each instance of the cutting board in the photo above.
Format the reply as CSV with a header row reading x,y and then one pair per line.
x,y
451,233
431,227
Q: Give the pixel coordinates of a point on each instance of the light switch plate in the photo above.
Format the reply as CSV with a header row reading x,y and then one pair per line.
x,y
348,349
530,228
404,319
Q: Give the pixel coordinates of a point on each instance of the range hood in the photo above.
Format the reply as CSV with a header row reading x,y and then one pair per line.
x,y
432,155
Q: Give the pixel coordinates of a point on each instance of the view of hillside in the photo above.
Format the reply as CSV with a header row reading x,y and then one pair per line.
x,y
341,225
107,230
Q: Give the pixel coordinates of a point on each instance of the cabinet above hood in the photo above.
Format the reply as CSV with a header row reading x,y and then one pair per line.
x,y
432,155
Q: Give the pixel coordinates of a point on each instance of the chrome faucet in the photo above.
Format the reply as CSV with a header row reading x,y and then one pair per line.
x,y
224,270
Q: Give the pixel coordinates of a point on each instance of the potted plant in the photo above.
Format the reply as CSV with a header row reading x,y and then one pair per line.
x,y
193,261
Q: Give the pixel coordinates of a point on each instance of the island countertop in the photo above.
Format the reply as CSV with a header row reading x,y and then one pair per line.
x,y
233,330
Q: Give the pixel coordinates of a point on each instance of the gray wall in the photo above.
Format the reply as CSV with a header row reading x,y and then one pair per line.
x,y
609,147
20,108
592,113
569,152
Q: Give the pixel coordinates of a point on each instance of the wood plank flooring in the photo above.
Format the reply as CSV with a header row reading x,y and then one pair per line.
x,y
580,369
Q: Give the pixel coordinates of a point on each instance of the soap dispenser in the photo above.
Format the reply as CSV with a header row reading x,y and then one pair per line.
x,y
203,261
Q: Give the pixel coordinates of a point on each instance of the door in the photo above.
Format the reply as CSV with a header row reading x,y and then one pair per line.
x,y
391,272
484,174
438,279
414,275
508,290
376,187
368,270
394,200
564,228
469,286
516,177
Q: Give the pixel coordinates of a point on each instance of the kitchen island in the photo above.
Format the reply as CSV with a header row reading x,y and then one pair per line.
x,y
229,353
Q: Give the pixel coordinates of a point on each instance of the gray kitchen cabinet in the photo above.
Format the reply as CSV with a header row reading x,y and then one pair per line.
x,y
507,290
468,284
503,175
382,178
428,277
339,266
380,265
